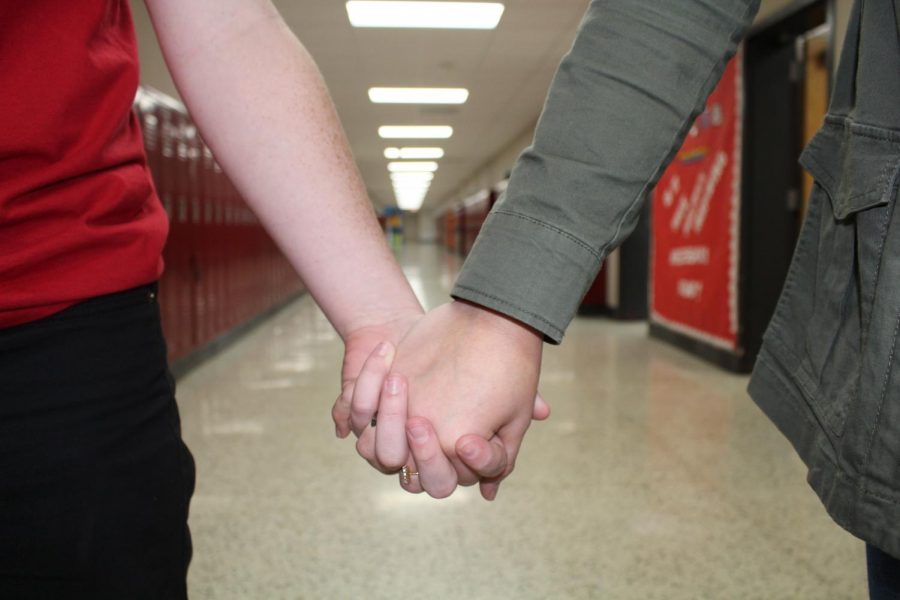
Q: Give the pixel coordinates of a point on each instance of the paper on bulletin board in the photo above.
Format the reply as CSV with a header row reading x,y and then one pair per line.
x,y
696,213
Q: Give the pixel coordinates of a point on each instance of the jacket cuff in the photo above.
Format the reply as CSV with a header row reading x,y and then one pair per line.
x,y
529,270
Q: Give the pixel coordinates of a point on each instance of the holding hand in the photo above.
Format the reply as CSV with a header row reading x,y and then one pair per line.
x,y
473,375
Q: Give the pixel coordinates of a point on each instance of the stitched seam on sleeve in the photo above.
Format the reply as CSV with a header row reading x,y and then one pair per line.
x,y
511,305
552,228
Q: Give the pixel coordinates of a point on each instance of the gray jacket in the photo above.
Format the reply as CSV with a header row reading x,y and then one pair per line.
x,y
619,107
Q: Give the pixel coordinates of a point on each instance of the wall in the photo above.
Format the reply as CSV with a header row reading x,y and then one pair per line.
x,y
490,173
154,72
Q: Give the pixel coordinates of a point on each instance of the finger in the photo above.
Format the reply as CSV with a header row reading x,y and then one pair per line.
x,y
541,409
340,412
510,436
464,475
412,484
365,447
391,447
436,475
367,389
486,458
489,489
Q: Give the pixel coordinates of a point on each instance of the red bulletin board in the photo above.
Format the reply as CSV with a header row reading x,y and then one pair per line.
x,y
696,212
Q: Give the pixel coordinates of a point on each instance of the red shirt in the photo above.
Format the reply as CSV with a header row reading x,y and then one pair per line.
x,y
79,216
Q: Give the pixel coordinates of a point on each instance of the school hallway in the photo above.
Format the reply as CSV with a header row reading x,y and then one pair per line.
x,y
655,477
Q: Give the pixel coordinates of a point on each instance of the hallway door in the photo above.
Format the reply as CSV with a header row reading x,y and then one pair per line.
x,y
787,76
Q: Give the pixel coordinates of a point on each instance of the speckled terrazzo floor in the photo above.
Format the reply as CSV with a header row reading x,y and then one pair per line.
x,y
656,477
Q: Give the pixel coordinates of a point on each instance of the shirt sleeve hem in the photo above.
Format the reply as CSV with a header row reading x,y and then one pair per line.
x,y
551,332
529,270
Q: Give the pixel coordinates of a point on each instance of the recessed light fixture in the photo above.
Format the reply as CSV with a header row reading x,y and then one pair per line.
x,y
427,15
410,200
405,167
410,193
413,153
410,204
420,95
425,176
400,132
410,187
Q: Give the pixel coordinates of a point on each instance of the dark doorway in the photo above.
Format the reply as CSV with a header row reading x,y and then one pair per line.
x,y
786,90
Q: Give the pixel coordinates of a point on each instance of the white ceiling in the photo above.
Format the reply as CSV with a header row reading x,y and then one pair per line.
x,y
507,71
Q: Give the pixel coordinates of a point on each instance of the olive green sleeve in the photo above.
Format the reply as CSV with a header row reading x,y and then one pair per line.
x,y
619,108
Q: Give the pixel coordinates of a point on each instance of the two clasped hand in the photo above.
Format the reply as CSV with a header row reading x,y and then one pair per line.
x,y
450,402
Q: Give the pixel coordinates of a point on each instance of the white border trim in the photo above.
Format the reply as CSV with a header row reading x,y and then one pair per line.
x,y
689,331
736,180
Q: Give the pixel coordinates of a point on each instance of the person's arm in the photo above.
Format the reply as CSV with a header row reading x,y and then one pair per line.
x,y
261,105
620,105
619,108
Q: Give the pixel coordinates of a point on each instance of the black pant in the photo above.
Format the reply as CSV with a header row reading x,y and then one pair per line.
x,y
95,481
884,575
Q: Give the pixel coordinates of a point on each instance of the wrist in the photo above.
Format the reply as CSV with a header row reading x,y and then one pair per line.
x,y
500,323
391,323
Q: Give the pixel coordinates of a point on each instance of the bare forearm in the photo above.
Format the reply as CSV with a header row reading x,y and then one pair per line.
x,y
262,106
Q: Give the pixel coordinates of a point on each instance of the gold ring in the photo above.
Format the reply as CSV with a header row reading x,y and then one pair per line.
x,y
406,475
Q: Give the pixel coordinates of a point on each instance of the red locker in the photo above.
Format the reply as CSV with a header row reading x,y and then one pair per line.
x,y
222,268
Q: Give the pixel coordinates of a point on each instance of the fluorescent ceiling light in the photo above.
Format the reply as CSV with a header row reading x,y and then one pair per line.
x,y
406,167
409,195
410,190
420,95
413,153
411,185
412,176
411,205
410,198
415,132
426,15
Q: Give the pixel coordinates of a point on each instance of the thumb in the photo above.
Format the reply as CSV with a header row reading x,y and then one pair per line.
x,y
487,458
541,409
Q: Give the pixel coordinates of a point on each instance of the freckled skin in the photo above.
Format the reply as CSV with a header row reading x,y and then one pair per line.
x,y
262,106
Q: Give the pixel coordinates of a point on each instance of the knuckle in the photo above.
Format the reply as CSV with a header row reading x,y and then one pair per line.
x,y
386,411
346,395
425,456
359,415
496,467
363,449
362,400
391,460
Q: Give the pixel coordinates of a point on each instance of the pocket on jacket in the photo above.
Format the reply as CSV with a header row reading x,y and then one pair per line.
x,y
854,167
